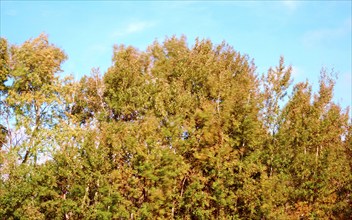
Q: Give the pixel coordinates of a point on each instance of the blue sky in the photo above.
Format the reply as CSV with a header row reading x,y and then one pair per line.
x,y
309,34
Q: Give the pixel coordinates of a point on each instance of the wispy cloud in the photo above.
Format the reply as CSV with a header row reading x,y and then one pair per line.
x,y
296,72
11,13
347,78
290,5
99,48
133,27
323,35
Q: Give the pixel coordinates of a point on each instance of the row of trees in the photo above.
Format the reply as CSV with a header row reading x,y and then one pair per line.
x,y
172,132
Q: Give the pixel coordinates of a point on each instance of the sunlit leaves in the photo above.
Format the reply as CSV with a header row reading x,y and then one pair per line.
x,y
174,132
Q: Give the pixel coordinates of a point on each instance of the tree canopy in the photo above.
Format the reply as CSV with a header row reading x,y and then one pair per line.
x,y
172,132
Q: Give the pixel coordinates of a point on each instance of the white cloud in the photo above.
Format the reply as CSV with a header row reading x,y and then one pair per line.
x,y
133,27
290,5
137,27
100,48
11,13
323,35
296,72
347,78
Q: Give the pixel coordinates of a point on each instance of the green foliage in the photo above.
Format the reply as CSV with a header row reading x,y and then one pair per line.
x,y
173,132
4,63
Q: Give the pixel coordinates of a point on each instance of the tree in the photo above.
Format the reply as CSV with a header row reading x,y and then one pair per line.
x,y
31,97
4,74
34,91
172,132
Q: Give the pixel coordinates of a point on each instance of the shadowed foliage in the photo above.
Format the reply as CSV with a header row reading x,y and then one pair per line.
x,y
172,132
